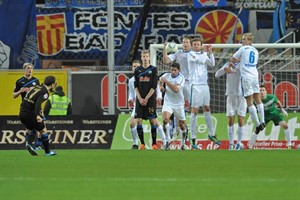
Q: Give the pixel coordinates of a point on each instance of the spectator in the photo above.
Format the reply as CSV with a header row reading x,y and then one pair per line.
x,y
58,104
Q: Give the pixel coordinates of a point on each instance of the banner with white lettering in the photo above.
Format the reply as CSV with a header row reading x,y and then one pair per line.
x,y
82,33
76,132
90,3
272,137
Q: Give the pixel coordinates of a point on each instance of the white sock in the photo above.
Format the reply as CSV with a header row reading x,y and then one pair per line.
x,y
161,134
193,124
182,133
253,113
176,125
287,134
240,133
134,135
260,109
252,140
230,130
167,133
209,124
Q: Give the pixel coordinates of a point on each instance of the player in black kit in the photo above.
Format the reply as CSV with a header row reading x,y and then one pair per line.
x,y
145,88
22,86
31,114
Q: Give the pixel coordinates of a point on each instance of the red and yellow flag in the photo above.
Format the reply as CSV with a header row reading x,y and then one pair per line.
x,y
50,33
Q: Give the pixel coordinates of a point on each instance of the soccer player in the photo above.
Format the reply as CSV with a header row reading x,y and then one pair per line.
x,y
31,114
145,88
180,57
271,103
58,104
22,86
235,102
198,62
173,100
131,101
247,56
24,83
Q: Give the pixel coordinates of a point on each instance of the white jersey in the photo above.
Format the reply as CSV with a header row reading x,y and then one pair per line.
x,y
235,103
248,56
131,92
172,98
233,80
181,57
197,63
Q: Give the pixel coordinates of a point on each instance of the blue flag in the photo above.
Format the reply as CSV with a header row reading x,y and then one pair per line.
x,y
130,46
279,27
18,34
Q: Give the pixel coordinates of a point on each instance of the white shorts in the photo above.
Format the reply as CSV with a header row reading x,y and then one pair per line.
x,y
200,96
178,111
249,86
236,105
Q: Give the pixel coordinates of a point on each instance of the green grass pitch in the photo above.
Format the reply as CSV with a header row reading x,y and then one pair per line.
x,y
163,175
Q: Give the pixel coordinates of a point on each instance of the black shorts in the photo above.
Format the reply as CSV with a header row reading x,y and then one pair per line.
x,y
30,122
146,112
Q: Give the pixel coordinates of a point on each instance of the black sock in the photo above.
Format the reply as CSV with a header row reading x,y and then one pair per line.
x,y
153,134
184,136
31,137
140,132
194,141
45,141
187,132
165,128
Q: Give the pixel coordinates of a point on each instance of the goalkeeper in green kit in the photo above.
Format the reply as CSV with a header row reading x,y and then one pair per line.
x,y
271,111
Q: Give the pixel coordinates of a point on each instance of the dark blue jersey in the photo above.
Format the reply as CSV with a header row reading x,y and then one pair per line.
x,y
24,82
145,79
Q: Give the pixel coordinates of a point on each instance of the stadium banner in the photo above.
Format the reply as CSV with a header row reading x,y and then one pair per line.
x,y
294,5
74,132
293,18
256,4
82,33
266,19
272,137
8,78
89,3
18,42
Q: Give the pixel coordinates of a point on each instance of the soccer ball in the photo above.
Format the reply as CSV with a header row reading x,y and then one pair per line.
x,y
171,47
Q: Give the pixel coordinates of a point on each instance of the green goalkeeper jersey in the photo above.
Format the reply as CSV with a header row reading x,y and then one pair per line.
x,y
270,108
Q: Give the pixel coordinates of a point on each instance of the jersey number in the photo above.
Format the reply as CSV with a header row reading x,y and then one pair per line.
x,y
251,57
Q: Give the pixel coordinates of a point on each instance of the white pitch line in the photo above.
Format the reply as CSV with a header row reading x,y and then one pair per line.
x,y
146,179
